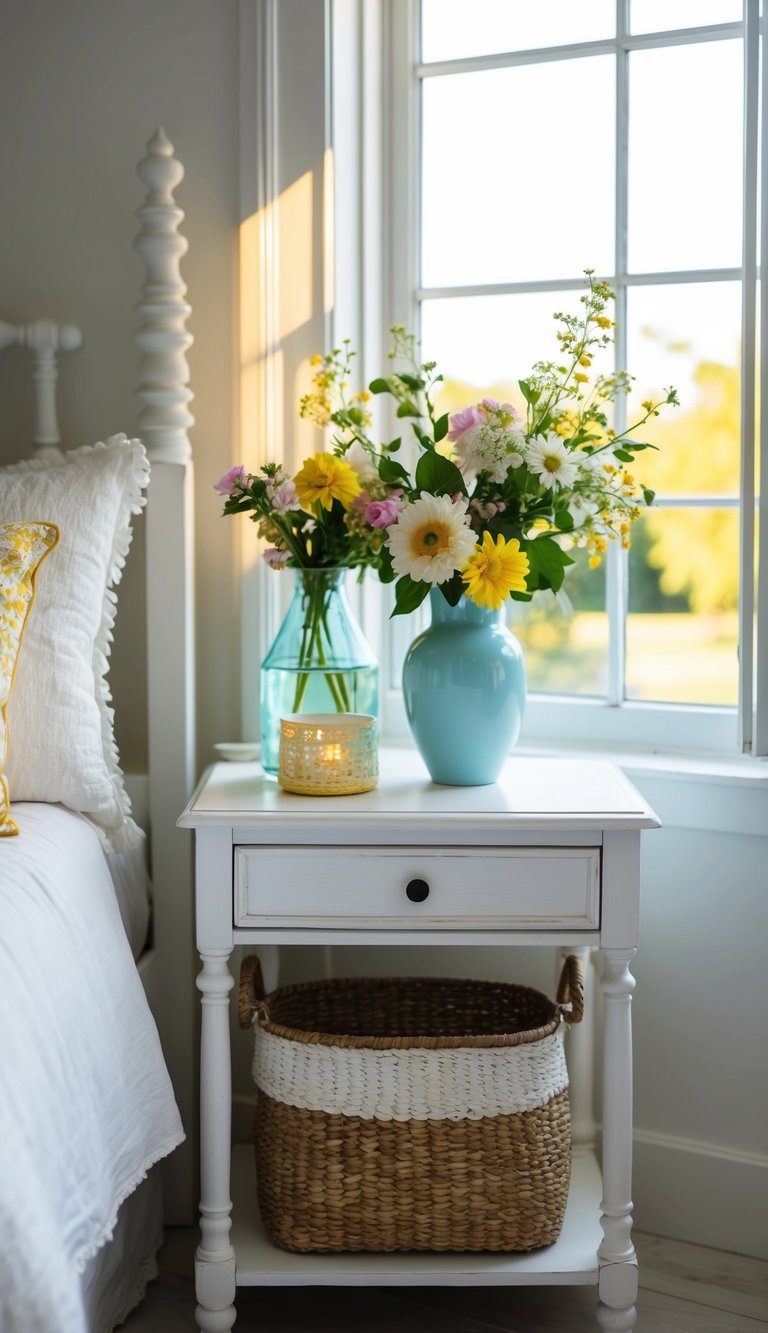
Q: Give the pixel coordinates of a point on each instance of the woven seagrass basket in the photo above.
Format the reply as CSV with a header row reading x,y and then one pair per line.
x,y
411,1114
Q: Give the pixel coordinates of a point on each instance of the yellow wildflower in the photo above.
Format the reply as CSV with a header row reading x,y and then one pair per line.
x,y
496,569
647,405
594,562
581,378
585,360
603,322
326,478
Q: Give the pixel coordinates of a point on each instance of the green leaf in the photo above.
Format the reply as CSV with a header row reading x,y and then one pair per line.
x,y
424,440
530,395
637,445
408,595
379,386
548,563
563,520
438,475
441,428
408,409
624,455
648,495
413,382
521,596
385,571
393,446
453,589
391,472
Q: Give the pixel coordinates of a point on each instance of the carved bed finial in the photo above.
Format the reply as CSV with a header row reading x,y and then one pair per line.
x,y
162,336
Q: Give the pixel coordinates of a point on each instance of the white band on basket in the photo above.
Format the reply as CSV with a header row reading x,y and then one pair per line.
x,y
464,1083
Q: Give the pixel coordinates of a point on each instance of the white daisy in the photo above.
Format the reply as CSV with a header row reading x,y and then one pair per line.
x,y
431,539
492,449
550,458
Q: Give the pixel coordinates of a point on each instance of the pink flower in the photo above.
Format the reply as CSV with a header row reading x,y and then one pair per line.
x,y
381,513
503,409
463,421
232,481
285,497
276,558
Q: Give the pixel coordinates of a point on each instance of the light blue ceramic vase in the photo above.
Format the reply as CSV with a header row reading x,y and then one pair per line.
x,y
464,686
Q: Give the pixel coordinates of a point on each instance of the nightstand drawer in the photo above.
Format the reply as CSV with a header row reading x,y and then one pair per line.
x,y
412,887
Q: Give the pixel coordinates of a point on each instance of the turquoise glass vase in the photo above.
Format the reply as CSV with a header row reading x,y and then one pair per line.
x,y
464,686
319,662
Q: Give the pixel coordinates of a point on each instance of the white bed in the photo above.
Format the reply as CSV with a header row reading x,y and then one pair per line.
x,y
87,949
87,1107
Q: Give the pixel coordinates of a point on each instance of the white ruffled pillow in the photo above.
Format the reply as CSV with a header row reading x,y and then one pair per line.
x,y
59,715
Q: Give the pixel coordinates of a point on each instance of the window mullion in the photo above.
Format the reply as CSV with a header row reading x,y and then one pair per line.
x,y
616,583
748,328
760,746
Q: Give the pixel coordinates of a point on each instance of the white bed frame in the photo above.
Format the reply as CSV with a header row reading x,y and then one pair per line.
x,y
168,966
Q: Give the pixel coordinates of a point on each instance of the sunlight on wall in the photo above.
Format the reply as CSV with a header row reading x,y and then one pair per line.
x,y
276,300
329,234
294,236
308,439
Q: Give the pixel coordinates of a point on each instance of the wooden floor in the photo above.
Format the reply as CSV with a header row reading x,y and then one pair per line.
x,y
682,1287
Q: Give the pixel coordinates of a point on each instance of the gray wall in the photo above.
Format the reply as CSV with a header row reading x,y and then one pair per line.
x,y
82,86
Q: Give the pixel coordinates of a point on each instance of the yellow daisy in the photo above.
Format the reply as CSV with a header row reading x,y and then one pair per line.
x,y
496,569
326,478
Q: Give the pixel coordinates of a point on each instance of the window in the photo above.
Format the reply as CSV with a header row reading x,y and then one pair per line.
x,y
526,143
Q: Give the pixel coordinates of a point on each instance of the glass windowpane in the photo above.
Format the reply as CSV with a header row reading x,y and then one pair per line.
x,y
688,336
492,214
682,627
665,15
685,133
566,650
452,29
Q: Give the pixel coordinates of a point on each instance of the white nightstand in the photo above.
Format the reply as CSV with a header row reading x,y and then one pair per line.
x,y
548,855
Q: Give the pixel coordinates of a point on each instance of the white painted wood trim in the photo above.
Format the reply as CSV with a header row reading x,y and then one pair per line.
x,y
171,734
468,888
163,424
162,336
45,339
580,1052
701,1193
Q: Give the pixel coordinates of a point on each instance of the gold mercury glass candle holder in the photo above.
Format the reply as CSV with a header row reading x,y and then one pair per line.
x,y
328,754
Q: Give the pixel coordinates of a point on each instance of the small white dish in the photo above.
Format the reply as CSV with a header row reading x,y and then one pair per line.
x,y
238,752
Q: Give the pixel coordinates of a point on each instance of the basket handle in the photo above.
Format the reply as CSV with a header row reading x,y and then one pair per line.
x,y
570,990
251,991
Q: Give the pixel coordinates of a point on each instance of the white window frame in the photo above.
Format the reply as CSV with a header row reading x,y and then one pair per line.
x,y
376,84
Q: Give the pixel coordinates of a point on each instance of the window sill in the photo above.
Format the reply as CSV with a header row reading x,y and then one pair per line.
x,y
671,764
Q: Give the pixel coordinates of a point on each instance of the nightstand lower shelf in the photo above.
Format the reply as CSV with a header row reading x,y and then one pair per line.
x,y
571,1260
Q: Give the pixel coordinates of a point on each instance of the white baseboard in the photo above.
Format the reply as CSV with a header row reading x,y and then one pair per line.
x,y
698,1193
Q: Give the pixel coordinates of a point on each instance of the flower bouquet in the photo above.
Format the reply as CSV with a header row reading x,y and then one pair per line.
x,y
320,661
490,507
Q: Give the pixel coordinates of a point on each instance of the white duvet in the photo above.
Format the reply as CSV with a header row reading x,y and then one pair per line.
x,y
86,1104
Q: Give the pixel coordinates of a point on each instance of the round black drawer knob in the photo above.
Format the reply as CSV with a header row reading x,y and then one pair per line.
x,y
417,890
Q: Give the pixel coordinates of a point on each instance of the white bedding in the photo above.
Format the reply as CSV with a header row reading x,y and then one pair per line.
x,y
86,1104
131,881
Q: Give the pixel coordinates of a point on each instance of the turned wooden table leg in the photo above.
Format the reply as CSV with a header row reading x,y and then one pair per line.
x,y
617,1283
215,1258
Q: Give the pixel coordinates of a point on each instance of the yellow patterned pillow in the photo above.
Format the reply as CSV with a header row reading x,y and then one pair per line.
x,y
23,547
